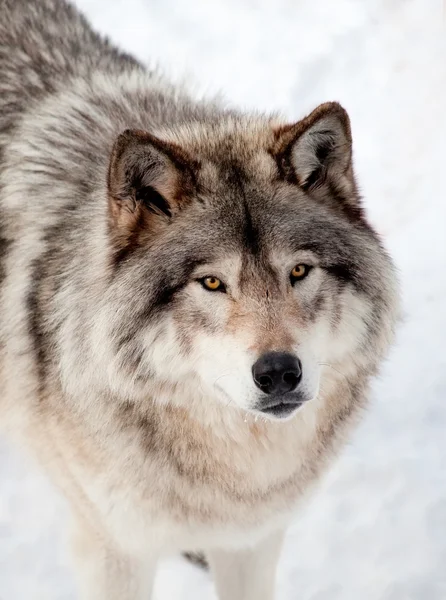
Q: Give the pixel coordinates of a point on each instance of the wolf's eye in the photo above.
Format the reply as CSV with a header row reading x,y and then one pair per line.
x,y
213,284
299,272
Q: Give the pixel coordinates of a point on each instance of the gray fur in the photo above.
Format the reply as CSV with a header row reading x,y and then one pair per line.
x,y
117,192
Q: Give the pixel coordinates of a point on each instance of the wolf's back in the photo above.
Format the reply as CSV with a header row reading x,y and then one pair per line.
x,y
42,44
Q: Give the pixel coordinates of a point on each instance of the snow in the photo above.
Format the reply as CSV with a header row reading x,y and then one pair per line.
x,y
376,530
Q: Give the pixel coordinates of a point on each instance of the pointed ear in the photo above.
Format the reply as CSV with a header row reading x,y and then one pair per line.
x,y
316,154
149,180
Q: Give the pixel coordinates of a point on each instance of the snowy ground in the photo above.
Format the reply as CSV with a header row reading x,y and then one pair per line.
x,y
377,529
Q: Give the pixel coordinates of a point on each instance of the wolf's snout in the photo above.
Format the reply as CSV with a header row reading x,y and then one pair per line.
x,y
277,372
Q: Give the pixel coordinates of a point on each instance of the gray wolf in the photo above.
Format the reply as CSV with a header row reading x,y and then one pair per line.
x,y
193,304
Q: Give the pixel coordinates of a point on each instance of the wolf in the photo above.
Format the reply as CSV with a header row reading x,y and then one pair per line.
x,y
193,304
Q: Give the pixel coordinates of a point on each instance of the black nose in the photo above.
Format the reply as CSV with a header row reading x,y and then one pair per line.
x,y
277,372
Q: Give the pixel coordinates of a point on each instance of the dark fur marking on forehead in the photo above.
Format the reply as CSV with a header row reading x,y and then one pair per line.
x,y
233,173
236,178
251,236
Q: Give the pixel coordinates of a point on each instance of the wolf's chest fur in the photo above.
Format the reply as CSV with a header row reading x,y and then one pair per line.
x,y
197,485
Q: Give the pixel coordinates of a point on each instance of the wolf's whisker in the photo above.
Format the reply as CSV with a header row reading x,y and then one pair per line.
x,y
215,384
323,364
224,375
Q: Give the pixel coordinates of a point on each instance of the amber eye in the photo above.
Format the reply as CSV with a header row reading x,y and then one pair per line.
x,y
213,284
299,272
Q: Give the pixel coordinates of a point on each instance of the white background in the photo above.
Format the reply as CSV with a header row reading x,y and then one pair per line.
x,y
377,528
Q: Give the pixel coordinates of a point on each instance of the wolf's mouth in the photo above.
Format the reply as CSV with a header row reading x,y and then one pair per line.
x,y
281,410
281,407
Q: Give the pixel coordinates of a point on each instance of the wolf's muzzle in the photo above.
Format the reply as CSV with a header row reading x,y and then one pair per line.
x,y
277,375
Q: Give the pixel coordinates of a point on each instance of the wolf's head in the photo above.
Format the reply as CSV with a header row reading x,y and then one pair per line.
x,y
242,261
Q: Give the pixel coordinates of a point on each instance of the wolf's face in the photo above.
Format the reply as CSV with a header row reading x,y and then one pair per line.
x,y
242,262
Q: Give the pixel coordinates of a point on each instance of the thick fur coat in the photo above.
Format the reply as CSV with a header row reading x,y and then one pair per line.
x,y
154,249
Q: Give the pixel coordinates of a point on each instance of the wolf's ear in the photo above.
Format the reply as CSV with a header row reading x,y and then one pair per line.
x,y
148,181
316,153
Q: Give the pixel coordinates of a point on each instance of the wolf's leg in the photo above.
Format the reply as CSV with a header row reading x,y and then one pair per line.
x,y
247,574
104,573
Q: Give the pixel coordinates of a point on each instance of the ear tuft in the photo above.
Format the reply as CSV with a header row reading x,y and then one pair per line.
x,y
153,201
316,154
149,180
317,143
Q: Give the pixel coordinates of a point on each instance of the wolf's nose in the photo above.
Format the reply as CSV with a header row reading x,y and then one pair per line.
x,y
277,372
